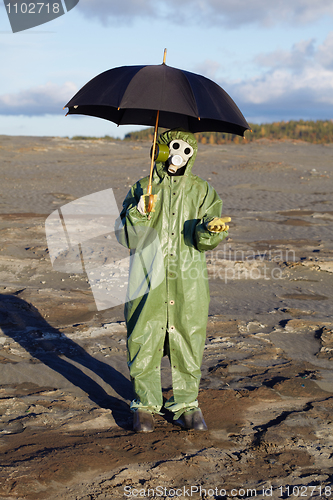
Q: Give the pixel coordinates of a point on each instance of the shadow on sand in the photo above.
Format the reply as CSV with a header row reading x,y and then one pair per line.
x,y
23,323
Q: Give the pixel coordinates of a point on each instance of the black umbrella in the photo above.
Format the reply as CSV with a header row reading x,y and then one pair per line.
x,y
159,95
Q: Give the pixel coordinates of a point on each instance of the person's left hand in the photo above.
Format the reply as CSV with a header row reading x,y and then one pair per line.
x,y
218,224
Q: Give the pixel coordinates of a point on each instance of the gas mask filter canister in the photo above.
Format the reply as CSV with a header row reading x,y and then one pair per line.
x,y
180,153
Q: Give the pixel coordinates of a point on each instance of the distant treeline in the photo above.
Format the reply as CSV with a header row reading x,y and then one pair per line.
x,y
317,132
93,138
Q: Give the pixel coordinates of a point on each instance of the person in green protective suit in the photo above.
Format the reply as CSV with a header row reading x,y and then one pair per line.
x,y
172,317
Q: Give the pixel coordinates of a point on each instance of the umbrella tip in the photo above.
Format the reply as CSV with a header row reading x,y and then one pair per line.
x,y
164,56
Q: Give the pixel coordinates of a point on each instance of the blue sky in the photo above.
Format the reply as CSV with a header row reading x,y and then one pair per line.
x,y
274,58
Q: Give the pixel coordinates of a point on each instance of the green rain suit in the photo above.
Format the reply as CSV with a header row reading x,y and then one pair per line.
x,y
172,317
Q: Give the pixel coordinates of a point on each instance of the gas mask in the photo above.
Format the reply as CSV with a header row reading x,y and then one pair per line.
x,y
180,153
175,155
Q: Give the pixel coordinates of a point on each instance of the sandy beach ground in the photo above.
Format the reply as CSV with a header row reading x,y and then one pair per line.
x,y
267,375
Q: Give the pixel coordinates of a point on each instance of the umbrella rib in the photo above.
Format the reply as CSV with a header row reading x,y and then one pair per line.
x,y
193,96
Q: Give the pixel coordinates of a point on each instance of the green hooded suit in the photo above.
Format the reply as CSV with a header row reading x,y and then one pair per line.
x,y
172,317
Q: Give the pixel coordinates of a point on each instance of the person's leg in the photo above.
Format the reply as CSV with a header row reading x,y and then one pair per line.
x,y
186,352
144,362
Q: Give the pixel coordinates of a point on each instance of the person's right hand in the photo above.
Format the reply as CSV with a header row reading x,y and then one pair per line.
x,y
143,204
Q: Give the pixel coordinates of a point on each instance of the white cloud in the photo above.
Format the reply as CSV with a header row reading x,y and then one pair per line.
x,y
44,99
111,12
324,55
209,68
315,84
298,82
299,56
228,13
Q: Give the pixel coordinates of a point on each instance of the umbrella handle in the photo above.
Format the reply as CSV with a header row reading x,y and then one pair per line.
x,y
150,203
149,189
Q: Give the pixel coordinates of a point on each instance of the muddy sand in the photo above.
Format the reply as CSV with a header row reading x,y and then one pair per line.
x,y
267,375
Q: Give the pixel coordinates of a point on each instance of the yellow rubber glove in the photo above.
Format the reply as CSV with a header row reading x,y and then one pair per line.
x,y
218,224
143,203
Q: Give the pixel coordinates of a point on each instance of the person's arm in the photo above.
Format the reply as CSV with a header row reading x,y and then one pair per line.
x,y
210,230
134,215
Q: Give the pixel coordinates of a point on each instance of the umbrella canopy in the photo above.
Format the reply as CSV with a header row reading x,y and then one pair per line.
x,y
131,95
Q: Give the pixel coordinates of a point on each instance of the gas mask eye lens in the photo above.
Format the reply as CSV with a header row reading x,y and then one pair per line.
x,y
175,145
187,151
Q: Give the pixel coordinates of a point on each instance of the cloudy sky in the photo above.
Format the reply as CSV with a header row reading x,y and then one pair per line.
x,y
274,58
